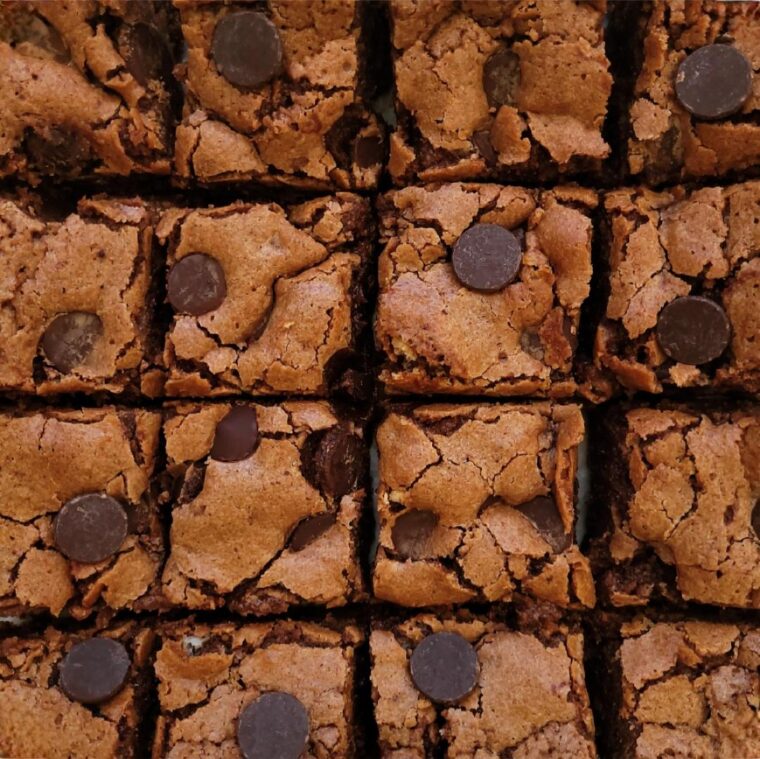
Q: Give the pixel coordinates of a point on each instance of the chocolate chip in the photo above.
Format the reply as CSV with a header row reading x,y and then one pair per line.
x,y
368,151
411,532
482,141
444,667
90,528
693,330
542,511
196,284
247,49
94,670
70,338
274,726
714,81
486,257
756,519
145,53
58,151
339,461
237,435
310,529
501,77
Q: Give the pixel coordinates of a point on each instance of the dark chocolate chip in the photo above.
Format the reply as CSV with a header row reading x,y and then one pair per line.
x,y
89,528
145,53
693,330
444,667
310,529
486,257
274,726
94,670
542,511
70,338
411,532
339,461
714,81
368,151
237,435
347,374
756,519
247,49
58,151
196,284
501,77
482,141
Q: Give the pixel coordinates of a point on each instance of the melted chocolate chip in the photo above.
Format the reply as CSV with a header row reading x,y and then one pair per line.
x,y
339,461
237,435
542,511
89,528
501,78
693,330
196,284
247,49
714,81
412,531
145,53
94,670
486,257
444,666
70,338
274,726
310,529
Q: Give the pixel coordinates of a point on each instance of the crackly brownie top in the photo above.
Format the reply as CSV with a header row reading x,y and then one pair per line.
x,y
263,297
439,328
268,502
73,522
489,84
493,690
209,676
477,502
683,286
695,107
85,88
74,302
690,688
54,701
693,491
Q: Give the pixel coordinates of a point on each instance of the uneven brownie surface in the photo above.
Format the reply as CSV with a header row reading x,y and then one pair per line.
x,y
49,458
86,88
498,90
274,529
665,246
666,142
293,299
529,699
682,488
38,718
208,674
436,335
306,126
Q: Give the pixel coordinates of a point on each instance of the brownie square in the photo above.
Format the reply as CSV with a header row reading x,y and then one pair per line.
x,y
678,516
87,89
678,687
82,695
79,529
477,503
267,300
505,91
470,686
295,114
77,300
694,108
265,506
444,326
285,688
683,286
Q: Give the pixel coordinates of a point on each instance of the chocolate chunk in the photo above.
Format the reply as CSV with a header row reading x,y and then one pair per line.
x,y
756,519
501,77
444,667
543,512
339,461
482,141
411,532
58,151
247,49
237,435
145,53
196,284
693,330
714,81
274,726
310,529
69,339
94,670
368,151
486,257
90,528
